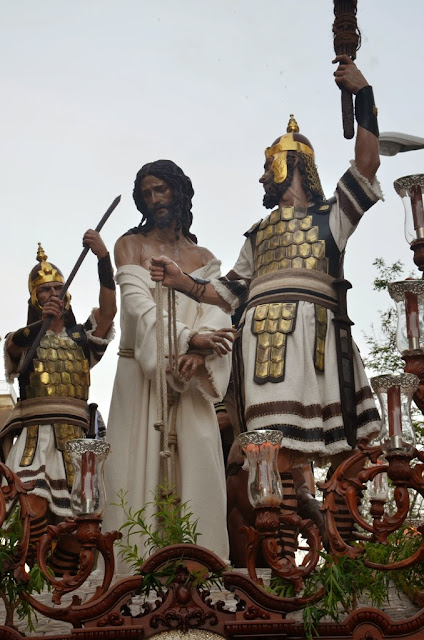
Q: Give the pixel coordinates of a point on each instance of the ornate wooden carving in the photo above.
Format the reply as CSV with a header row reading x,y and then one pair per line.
x,y
106,614
403,475
87,531
15,489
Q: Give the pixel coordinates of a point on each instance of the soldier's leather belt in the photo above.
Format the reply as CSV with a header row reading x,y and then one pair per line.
x,y
292,285
47,411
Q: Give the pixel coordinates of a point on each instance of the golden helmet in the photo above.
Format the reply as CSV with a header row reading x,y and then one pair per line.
x,y
291,141
44,272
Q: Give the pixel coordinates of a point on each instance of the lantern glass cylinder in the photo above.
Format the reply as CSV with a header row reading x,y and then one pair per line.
x,y
379,489
410,189
264,485
409,298
395,396
88,496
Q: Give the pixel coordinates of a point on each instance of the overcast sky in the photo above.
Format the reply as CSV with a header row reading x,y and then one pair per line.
x,y
94,89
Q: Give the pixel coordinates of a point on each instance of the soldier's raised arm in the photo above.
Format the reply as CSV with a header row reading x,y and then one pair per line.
x,y
348,76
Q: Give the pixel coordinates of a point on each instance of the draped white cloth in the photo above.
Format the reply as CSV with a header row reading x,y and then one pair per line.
x,y
134,463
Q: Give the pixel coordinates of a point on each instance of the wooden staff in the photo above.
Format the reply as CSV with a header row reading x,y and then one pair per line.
x,y
347,40
30,353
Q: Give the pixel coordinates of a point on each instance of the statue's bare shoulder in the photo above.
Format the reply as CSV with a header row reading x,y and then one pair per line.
x,y
196,257
138,249
129,250
206,255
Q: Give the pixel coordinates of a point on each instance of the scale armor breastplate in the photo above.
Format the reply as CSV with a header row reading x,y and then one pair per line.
x,y
61,368
290,238
296,238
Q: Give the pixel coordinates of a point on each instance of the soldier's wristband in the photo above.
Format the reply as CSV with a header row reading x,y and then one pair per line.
x,y
198,289
104,267
365,110
25,337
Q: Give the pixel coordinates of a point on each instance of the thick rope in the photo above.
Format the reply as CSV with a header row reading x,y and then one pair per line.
x,y
166,420
173,349
161,395
173,324
172,332
172,439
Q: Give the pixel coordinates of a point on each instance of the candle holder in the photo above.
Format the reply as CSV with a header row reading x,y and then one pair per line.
x,y
395,396
409,298
266,495
397,447
88,496
409,188
403,475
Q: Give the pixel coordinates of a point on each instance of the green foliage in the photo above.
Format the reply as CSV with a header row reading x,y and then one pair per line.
x,y
404,543
173,525
345,580
12,590
280,588
387,273
383,356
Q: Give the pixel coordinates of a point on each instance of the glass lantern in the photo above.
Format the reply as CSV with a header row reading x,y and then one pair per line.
x,y
264,485
409,298
410,188
88,496
395,396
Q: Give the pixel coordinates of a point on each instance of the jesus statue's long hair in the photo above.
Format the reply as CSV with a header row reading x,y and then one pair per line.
x,y
182,191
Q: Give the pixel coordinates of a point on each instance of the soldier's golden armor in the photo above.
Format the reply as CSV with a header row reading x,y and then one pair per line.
x,y
286,239
60,369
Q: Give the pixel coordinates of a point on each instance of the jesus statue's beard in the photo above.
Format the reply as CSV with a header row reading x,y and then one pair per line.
x,y
167,219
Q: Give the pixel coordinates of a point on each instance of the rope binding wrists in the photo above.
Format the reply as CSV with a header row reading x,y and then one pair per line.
x,y
198,289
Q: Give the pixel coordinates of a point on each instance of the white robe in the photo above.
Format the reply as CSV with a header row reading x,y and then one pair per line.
x,y
134,463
